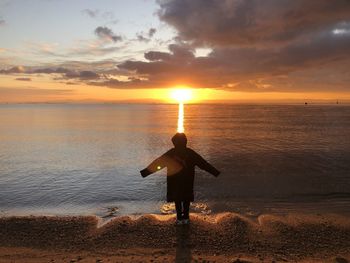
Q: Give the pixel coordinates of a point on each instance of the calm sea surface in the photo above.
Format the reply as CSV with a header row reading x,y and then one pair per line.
x,y
85,159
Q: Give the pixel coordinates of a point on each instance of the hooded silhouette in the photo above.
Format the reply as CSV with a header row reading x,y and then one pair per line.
x,y
180,162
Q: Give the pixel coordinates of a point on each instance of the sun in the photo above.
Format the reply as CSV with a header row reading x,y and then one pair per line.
x,y
181,95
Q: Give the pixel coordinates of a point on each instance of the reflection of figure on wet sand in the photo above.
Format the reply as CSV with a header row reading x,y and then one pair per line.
x,y
183,249
180,162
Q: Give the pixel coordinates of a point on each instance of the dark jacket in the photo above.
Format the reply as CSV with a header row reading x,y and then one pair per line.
x,y
180,164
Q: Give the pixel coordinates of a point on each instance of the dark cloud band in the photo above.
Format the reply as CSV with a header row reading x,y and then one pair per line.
x,y
106,33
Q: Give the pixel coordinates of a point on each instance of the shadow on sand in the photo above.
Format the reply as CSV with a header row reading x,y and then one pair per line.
x,y
183,249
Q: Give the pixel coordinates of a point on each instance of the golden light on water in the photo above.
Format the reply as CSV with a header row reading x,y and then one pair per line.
x,y
181,95
180,121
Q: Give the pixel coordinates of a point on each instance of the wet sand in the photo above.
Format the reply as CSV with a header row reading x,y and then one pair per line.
x,y
223,237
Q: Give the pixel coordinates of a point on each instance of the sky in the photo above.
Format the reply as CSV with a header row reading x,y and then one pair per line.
x,y
139,50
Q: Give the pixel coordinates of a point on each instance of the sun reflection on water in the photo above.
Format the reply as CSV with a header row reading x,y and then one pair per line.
x,y
180,121
181,95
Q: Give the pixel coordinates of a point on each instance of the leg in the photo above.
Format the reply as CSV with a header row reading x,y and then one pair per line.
x,y
186,209
178,207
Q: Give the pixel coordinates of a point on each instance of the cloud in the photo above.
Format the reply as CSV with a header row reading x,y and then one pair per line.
x,y
157,55
255,46
64,72
16,69
24,79
146,37
2,22
151,32
251,22
133,83
243,68
106,33
58,70
105,65
91,13
141,38
100,15
31,70
272,45
83,75
94,50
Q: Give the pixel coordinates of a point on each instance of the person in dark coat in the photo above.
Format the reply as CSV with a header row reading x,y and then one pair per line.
x,y
180,162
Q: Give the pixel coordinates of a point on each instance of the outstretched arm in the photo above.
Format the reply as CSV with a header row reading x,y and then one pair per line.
x,y
156,165
204,165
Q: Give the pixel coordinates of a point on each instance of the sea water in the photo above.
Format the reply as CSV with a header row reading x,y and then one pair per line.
x,y
66,159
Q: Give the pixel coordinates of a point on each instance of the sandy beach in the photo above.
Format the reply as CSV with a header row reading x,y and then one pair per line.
x,y
225,237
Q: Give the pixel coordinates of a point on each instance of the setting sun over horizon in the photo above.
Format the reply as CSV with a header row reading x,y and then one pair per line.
x,y
139,50
182,94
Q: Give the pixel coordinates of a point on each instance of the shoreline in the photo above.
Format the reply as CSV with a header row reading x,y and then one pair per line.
x,y
294,237
248,207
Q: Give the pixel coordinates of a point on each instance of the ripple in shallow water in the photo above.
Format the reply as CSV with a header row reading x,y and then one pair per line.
x,y
169,208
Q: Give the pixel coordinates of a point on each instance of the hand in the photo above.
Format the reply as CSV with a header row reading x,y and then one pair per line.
x,y
144,172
